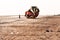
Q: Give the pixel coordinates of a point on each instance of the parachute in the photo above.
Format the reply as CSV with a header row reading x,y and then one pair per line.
x,y
33,12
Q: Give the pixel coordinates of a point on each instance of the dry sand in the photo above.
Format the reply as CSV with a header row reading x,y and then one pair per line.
x,y
41,28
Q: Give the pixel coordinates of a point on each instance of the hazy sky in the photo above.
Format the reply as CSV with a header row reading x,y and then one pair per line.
x,y
16,7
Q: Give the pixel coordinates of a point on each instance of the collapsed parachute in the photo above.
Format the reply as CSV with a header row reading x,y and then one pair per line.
x,y
33,12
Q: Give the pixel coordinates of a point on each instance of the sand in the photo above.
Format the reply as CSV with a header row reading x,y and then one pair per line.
x,y
41,28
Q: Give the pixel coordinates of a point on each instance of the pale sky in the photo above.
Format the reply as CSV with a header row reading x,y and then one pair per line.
x,y
16,7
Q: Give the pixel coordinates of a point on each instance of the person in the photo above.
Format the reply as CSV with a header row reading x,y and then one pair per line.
x,y
19,16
